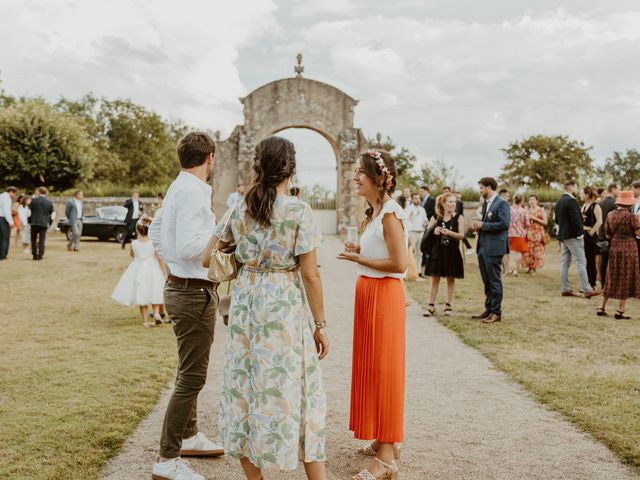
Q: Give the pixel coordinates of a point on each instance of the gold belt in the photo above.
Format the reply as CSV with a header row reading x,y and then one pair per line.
x,y
269,270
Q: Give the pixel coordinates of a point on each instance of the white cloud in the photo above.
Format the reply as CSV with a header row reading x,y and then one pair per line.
x,y
456,83
463,90
178,59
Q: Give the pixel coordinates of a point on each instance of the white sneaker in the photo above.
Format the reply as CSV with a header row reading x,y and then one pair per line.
x,y
175,469
470,251
200,446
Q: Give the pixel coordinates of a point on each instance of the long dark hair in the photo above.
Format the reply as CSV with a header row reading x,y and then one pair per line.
x,y
274,162
384,183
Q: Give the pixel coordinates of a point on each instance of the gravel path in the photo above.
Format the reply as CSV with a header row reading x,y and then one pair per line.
x,y
464,419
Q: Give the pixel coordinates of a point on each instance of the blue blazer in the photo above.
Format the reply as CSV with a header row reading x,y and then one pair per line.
x,y
493,239
71,212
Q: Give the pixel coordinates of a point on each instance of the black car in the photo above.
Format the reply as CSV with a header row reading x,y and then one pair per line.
x,y
108,222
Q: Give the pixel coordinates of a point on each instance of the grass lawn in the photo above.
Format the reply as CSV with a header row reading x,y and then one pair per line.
x,y
583,366
78,370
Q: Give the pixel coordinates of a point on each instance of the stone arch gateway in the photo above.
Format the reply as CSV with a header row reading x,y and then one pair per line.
x,y
292,103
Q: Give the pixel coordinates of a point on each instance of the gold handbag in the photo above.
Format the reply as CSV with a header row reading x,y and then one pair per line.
x,y
223,265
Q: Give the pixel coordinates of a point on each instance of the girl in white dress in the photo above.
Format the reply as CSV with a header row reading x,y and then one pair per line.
x,y
142,283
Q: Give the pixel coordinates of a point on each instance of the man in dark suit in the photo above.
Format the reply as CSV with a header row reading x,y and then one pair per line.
x,y
134,211
571,236
607,205
493,241
74,211
428,202
40,219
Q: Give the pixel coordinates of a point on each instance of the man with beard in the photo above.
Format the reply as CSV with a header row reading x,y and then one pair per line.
x,y
180,233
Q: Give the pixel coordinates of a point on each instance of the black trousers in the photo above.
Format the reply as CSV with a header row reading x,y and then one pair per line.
x,y
5,236
491,273
38,237
131,231
590,252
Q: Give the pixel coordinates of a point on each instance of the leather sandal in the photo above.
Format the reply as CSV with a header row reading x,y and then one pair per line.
x,y
430,312
390,474
601,312
369,450
448,311
621,316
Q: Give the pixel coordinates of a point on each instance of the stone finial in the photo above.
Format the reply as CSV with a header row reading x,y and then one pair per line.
x,y
299,69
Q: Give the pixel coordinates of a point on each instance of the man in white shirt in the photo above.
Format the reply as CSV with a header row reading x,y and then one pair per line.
x,y
180,233
235,196
418,218
6,220
74,211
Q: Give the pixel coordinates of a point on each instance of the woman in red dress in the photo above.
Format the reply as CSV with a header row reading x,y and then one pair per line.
x,y
623,270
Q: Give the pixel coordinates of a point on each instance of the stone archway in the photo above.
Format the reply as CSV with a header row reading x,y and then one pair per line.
x,y
292,103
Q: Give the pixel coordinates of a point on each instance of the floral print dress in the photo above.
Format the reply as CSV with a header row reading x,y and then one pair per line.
x,y
534,258
273,405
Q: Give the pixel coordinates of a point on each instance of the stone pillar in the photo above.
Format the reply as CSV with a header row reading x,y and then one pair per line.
x,y
349,147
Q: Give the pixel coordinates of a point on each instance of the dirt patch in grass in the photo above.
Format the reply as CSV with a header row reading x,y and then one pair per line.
x,y
581,365
79,371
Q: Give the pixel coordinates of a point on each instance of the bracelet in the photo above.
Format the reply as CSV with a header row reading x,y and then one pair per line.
x,y
321,325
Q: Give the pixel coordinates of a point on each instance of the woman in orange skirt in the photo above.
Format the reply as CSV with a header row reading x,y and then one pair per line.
x,y
518,228
377,383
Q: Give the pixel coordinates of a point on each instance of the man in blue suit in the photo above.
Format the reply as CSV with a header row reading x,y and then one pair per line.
x,y
493,244
74,211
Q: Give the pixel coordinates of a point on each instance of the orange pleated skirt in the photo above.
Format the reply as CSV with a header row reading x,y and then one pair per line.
x,y
377,382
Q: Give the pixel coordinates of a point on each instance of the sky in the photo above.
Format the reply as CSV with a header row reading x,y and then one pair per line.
x,y
450,80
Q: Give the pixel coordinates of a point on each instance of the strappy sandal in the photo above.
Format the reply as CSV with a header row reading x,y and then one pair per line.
x,y
601,312
431,310
621,316
147,324
368,450
448,311
390,474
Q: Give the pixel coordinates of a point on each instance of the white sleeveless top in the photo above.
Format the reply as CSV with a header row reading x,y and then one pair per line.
x,y
372,244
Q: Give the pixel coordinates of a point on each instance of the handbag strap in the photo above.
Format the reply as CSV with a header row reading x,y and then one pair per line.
x,y
224,229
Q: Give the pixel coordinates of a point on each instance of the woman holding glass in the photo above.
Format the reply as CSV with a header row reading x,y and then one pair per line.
x,y
377,385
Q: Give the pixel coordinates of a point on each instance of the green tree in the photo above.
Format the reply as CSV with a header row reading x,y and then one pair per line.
x,y
135,146
437,174
42,146
622,168
108,166
542,161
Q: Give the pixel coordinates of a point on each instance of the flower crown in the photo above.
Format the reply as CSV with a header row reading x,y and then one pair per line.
x,y
383,167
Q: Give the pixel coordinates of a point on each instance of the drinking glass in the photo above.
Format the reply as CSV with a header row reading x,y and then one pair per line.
x,y
352,235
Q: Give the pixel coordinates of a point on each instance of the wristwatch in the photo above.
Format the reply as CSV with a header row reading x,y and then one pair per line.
x,y
321,325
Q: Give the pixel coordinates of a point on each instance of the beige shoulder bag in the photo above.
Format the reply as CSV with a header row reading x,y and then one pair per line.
x,y
223,265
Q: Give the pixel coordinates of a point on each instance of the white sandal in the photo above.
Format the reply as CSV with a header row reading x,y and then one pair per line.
x,y
368,450
390,474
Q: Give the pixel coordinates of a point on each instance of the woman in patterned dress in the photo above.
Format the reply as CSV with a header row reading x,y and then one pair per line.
x,y
273,406
518,228
534,258
623,270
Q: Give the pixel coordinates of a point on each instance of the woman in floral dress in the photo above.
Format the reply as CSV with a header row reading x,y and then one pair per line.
x,y
623,270
534,258
273,406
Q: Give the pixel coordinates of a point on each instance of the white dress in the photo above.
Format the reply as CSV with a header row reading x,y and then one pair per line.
x,y
142,283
